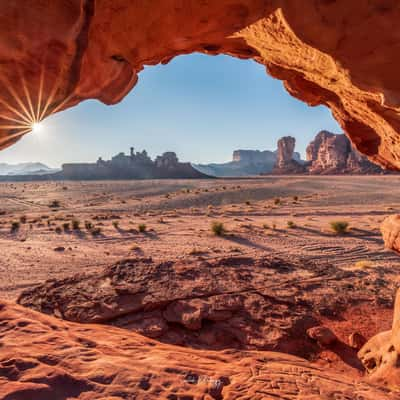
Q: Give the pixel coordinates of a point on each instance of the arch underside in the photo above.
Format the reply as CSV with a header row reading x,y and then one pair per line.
x,y
334,53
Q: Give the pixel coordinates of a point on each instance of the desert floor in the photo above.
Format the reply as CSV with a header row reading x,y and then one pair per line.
x,y
178,214
345,282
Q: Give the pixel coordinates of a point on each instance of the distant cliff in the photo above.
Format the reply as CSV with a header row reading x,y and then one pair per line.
x,y
244,163
331,153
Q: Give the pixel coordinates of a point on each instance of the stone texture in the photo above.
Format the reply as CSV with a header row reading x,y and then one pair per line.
x,y
390,229
381,354
42,357
339,54
331,153
234,302
323,335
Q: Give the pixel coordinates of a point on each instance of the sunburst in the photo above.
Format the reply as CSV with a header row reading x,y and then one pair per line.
x,y
24,113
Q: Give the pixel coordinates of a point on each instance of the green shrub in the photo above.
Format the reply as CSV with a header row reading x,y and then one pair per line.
x,y
88,225
66,226
76,225
339,227
15,226
291,224
115,224
218,228
142,228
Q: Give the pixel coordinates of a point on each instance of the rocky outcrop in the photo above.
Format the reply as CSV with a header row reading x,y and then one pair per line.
x,y
390,229
285,163
381,354
237,302
42,357
331,153
57,54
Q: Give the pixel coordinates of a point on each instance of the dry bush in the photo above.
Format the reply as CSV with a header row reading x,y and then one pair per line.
x,y
339,227
218,228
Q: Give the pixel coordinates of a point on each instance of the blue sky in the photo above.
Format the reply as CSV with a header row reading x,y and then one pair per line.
x,y
199,106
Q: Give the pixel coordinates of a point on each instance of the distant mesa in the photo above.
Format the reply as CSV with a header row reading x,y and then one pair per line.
x,y
136,165
133,166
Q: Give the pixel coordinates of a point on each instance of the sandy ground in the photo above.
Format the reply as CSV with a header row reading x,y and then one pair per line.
x,y
178,215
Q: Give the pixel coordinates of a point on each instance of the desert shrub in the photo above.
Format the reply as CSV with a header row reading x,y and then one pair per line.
x,y
295,198
96,231
115,224
265,226
15,226
54,204
66,226
273,226
218,228
247,203
142,228
22,219
58,229
277,201
339,227
76,224
291,224
88,225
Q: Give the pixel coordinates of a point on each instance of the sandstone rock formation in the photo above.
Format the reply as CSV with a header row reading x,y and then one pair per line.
x,y
42,357
236,302
390,229
331,153
56,54
285,163
381,354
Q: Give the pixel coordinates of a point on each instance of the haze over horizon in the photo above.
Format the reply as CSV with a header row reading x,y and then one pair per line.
x,y
201,107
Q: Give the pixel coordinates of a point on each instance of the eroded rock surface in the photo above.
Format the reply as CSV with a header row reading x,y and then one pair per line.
x,y
285,162
42,357
228,303
337,53
331,153
381,354
390,229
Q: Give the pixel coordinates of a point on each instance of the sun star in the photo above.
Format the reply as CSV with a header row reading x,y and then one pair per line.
x,y
36,127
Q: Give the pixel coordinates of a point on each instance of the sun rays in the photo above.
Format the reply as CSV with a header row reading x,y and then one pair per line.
x,y
25,108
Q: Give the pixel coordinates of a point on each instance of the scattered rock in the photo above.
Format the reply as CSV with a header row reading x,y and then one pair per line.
x,y
59,248
323,335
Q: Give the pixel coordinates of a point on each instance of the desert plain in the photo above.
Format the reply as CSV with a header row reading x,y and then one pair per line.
x,y
143,256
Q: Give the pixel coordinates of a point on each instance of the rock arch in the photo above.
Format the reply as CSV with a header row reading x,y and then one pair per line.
x,y
333,52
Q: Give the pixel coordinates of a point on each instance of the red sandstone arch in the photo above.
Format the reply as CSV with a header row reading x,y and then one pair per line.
x,y
340,53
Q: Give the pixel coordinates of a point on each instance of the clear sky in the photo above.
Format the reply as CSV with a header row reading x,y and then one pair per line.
x,y
199,106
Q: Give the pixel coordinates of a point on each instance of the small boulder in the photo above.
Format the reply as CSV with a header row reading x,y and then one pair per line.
x,y
59,248
323,335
